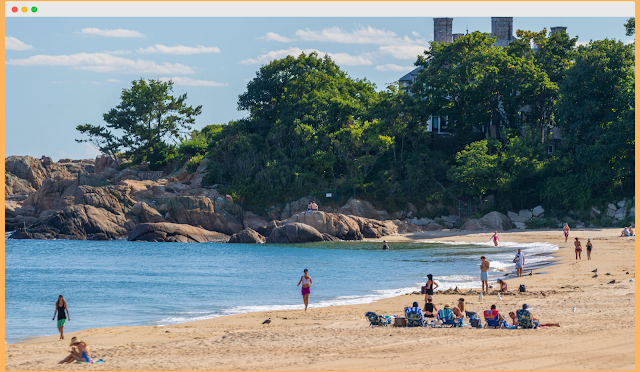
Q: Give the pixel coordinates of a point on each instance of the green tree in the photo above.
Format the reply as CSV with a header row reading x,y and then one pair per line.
x,y
147,116
630,26
477,169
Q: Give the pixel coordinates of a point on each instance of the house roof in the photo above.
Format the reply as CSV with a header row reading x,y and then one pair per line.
x,y
412,75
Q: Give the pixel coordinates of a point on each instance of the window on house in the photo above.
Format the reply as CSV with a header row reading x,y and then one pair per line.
x,y
435,124
551,149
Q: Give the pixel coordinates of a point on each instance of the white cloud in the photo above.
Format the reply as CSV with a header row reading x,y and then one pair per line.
x,y
272,36
630,41
11,43
178,49
403,51
91,150
102,62
118,52
414,33
114,81
185,81
111,33
392,67
339,58
363,35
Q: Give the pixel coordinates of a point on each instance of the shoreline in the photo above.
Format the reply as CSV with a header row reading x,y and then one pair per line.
x,y
342,339
345,300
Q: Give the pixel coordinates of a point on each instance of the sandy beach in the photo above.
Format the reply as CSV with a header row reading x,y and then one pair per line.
x,y
600,335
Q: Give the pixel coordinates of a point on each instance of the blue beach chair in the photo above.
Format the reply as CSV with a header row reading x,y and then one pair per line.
x,y
525,320
414,318
494,322
376,320
448,319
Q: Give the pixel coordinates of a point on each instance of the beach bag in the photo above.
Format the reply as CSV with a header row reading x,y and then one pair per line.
x,y
471,314
423,289
475,322
522,288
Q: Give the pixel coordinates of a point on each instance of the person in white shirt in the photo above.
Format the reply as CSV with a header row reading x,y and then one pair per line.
x,y
519,261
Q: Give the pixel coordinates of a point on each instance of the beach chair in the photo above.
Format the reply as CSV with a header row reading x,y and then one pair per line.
x,y
414,319
376,320
492,320
448,319
524,319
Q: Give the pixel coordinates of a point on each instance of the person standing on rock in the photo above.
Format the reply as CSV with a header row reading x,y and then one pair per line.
x,y
566,231
484,274
306,282
519,261
495,238
61,307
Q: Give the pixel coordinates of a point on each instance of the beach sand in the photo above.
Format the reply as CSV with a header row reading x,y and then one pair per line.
x,y
600,335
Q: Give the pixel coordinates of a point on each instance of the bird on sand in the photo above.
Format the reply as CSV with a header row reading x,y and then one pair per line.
x,y
594,271
268,321
607,274
531,273
480,297
595,276
612,282
499,298
574,308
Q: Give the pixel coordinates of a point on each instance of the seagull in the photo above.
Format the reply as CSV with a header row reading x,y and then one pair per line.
x,y
594,271
574,308
627,272
631,279
531,273
542,293
595,276
607,274
499,298
612,282
268,321
480,297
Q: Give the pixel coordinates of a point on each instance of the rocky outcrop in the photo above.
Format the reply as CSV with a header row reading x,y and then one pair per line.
x,y
361,208
35,171
76,222
171,232
337,225
141,212
253,221
53,194
199,211
16,185
247,236
408,227
296,233
375,229
495,221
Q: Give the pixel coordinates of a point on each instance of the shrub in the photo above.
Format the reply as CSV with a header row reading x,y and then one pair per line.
x,y
193,163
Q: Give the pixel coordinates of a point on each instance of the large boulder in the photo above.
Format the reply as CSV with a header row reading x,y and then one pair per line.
x,y
362,208
171,232
141,212
408,227
538,211
80,222
266,230
495,221
525,213
53,194
199,211
375,229
253,221
296,233
247,236
35,171
105,197
16,185
338,225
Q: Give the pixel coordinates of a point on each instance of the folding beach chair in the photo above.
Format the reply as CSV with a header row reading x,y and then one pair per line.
x,y
492,319
376,320
524,319
414,318
448,318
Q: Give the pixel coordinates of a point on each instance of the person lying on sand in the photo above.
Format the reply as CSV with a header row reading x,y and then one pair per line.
x,y
79,352
533,318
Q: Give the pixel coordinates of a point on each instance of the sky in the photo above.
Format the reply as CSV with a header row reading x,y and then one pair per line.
x,y
63,72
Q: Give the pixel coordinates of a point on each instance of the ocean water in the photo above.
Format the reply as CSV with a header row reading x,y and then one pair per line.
x,y
120,283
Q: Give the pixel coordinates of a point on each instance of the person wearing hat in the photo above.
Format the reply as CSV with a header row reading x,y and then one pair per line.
x,y
589,246
525,307
415,308
79,352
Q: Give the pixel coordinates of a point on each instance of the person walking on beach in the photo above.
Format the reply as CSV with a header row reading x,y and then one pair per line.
x,y
578,248
519,261
484,274
495,238
306,288
79,352
589,247
61,307
566,231
430,284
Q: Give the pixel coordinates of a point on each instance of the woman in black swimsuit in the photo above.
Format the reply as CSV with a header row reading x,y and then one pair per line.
x,y
430,309
430,288
61,307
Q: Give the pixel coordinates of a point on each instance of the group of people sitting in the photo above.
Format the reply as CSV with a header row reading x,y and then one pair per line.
x,y
454,316
312,207
628,231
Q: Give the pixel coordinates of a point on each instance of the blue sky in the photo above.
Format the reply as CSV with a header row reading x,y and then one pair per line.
x,y
62,72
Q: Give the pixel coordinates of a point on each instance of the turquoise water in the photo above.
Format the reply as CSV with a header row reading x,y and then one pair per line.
x,y
120,283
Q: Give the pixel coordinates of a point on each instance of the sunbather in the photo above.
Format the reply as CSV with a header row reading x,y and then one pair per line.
x,y
457,313
535,320
79,352
430,309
